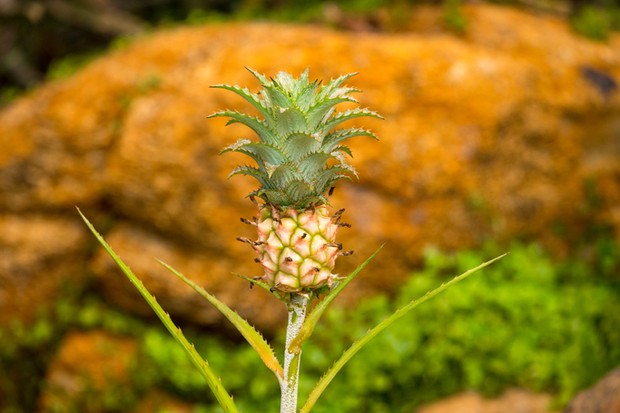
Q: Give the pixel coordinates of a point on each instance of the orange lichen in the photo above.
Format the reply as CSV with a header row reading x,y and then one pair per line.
x,y
86,367
489,134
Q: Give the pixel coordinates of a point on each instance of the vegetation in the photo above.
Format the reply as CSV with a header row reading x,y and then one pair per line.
x,y
527,321
43,40
597,22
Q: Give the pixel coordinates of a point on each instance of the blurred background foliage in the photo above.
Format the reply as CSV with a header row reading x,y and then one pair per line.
x,y
528,321
46,39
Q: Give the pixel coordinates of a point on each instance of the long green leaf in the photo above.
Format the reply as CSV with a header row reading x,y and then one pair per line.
x,y
312,319
262,153
318,112
224,399
252,98
358,345
347,115
338,135
253,337
257,125
328,90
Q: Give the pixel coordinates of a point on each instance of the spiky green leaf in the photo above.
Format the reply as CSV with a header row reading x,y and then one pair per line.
x,y
289,120
330,89
276,197
214,383
333,138
343,149
261,176
372,333
277,97
262,79
348,115
283,174
319,113
315,315
298,145
256,281
253,337
262,153
250,97
298,189
236,145
306,96
258,126
333,174
299,117
311,165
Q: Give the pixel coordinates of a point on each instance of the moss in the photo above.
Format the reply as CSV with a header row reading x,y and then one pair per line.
x,y
593,23
453,16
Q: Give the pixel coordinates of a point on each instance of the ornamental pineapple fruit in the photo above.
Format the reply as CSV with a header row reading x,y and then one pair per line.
x,y
299,157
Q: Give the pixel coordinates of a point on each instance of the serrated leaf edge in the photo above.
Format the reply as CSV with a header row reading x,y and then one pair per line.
x,y
372,333
223,397
252,336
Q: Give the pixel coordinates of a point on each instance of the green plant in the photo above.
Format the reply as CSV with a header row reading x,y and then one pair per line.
x,y
398,371
298,158
453,16
67,66
529,322
444,348
593,22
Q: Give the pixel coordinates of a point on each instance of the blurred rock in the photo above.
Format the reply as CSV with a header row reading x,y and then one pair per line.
x,y
512,401
603,397
492,135
90,373
42,258
157,401
212,272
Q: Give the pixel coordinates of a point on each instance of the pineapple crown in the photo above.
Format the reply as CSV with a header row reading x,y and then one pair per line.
x,y
300,155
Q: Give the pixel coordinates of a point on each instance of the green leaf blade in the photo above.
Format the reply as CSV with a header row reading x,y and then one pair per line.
x,y
300,144
318,112
315,315
332,140
247,170
258,126
262,153
322,384
348,115
223,397
250,97
252,336
290,120
333,89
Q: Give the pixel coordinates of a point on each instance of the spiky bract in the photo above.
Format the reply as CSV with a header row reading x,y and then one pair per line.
x,y
297,249
300,155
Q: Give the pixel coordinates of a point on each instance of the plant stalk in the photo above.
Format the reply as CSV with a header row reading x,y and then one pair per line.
x,y
289,386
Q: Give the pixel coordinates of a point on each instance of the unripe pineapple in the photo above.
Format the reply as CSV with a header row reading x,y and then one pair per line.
x,y
299,157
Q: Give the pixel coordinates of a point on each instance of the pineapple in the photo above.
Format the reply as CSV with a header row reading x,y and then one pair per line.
x,y
299,157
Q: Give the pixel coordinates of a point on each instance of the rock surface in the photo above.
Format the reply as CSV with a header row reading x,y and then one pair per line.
x,y
210,271
512,401
603,397
89,369
42,257
158,401
489,135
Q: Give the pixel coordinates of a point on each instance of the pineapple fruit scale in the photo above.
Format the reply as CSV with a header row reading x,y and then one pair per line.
x,y
299,156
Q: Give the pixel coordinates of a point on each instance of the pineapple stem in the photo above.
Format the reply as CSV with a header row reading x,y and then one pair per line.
x,y
289,386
